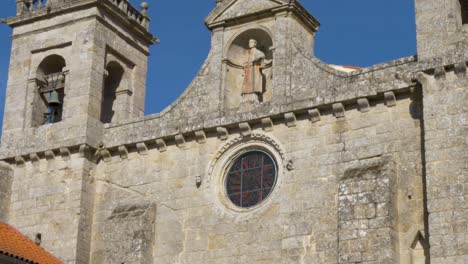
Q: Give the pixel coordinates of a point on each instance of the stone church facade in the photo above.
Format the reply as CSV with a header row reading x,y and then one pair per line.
x,y
269,156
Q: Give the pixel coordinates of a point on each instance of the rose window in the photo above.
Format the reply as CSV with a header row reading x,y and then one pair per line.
x,y
250,179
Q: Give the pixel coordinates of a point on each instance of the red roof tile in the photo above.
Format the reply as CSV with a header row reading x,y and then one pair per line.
x,y
351,67
16,245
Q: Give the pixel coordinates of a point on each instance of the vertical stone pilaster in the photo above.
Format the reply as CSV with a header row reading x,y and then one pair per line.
x,y
88,192
446,156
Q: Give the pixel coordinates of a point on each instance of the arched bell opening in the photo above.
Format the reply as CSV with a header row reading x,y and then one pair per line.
x,y
464,12
50,92
114,83
248,64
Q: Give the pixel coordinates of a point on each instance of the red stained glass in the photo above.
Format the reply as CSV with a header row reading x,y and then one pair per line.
x,y
250,179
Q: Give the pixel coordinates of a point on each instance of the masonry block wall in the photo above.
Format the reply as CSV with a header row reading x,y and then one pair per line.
x,y
370,164
445,152
47,199
310,206
6,179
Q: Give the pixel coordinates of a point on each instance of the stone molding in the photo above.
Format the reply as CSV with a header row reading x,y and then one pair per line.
x,y
64,153
244,129
140,29
287,8
222,132
227,153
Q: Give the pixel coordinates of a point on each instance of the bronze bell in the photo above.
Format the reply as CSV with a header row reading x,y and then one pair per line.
x,y
54,99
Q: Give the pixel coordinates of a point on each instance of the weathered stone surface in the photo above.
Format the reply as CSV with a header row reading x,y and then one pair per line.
x,y
6,180
371,162
127,235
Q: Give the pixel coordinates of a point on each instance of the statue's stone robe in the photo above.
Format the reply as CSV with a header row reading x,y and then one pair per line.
x,y
253,82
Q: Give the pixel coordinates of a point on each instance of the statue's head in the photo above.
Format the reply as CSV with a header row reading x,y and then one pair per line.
x,y
252,43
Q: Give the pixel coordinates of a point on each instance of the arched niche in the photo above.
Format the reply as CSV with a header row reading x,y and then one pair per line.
x,y
248,69
50,83
114,93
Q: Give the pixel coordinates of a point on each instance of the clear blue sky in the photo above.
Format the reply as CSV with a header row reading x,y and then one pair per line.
x,y
361,33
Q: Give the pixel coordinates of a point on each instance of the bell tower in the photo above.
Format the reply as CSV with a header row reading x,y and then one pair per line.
x,y
75,65
442,27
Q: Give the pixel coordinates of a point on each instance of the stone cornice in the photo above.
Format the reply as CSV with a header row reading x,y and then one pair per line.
x,y
47,12
223,132
292,7
159,138
245,128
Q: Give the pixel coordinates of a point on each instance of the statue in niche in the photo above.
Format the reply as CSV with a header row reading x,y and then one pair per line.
x,y
255,77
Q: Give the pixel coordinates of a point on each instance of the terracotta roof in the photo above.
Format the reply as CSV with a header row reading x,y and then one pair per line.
x,y
16,245
351,67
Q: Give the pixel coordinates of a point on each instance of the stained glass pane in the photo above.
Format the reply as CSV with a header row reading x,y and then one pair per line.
x,y
266,193
250,179
234,182
236,199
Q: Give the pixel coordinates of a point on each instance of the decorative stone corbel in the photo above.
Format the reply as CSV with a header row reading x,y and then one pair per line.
x,y
267,124
290,119
200,136
338,110
34,157
180,141
103,153
427,81
84,150
314,115
20,162
222,133
460,69
390,99
439,73
290,165
123,151
363,105
245,129
49,155
65,153
142,148
161,145
198,181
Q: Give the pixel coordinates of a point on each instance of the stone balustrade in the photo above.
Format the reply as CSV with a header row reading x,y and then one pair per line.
x,y
27,6
135,15
140,17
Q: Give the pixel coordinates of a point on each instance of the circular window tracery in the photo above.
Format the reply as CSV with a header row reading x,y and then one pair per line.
x,y
251,179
